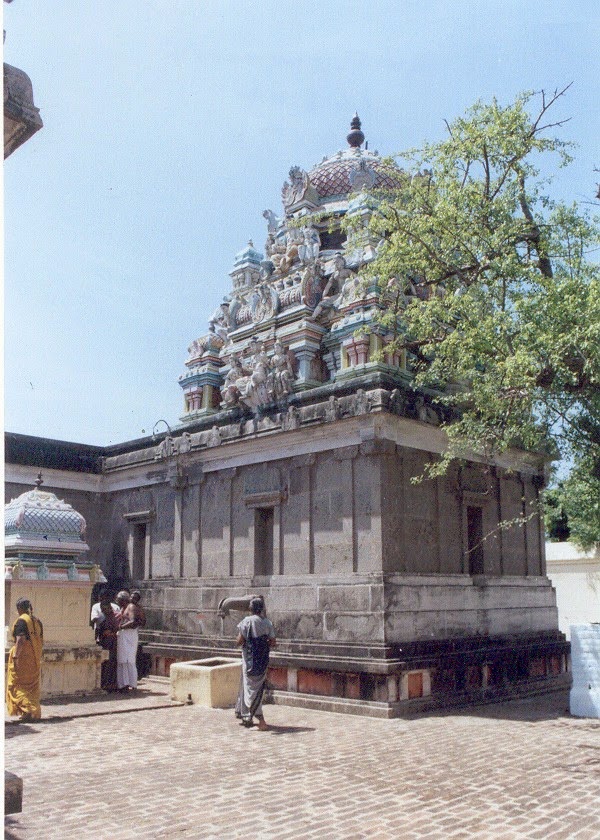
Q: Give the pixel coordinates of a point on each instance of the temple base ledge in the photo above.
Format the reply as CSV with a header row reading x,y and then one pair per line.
x,y
417,707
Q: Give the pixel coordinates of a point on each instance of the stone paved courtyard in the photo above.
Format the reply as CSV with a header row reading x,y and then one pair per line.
x,y
140,767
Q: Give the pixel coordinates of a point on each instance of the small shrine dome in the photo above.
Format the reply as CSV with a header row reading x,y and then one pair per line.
x,y
352,169
249,254
38,519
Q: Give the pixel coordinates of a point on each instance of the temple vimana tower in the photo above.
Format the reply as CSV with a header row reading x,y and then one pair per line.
x,y
289,475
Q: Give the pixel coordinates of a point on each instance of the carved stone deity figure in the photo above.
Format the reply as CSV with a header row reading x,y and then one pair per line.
x,y
283,372
184,443
333,409
273,221
397,401
312,280
270,247
214,437
264,301
361,402
275,248
341,272
350,291
257,391
220,321
296,188
309,248
426,412
197,347
165,448
331,293
284,261
266,270
291,420
235,383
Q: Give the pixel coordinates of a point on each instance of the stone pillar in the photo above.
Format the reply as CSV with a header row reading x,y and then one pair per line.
x,y
207,397
305,349
190,528
296,520
333,361
358,350
178,536
277,542
305,357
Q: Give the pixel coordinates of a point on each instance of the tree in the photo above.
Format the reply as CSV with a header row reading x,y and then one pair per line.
x,y
573,507
492,287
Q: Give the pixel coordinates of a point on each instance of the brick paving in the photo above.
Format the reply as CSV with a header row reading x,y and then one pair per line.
x,y
140,767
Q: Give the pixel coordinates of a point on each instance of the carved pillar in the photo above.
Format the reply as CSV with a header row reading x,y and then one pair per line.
x,y
358,350
201,487
333,362
349,453
305,348
229,475
178,536
277,542
305,356
207,397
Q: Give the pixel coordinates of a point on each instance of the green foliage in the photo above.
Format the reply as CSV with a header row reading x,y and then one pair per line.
x,y
555,515
575,503
496,287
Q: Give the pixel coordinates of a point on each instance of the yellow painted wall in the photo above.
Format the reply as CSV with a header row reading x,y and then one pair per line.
x,y
63,607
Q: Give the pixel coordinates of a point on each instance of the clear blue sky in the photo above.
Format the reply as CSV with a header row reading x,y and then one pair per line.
x,y
170,126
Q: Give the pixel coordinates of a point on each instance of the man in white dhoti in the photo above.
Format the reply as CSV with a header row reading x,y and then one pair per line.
x,y
127,644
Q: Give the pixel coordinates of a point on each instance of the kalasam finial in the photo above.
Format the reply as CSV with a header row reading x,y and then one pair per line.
x,y
356,137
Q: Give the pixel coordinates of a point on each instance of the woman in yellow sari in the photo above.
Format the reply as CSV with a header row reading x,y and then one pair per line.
x,y
25,665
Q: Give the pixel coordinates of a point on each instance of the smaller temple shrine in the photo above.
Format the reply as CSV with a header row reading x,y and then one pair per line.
x,y
46,562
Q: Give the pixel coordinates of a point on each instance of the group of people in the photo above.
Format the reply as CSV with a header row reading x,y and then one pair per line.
x,y
116,626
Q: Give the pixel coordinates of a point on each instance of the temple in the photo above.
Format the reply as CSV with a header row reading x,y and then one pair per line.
x,y
46,561
291,475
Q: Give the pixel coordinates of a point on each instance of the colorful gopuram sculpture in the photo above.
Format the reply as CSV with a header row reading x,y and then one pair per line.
x,y
290,321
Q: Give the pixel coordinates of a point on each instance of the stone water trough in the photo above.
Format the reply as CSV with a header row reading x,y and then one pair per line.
x,y
213,683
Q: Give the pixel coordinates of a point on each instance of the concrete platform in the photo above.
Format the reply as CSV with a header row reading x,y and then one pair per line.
x,y
212,682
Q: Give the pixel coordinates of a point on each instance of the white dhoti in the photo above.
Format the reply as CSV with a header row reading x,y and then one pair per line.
x,y
127,644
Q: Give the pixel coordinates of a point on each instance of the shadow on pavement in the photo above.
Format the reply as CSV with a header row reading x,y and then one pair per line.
x,y
51,719
66,709
10,832
13,728
284,730
289,730
110,697
541,707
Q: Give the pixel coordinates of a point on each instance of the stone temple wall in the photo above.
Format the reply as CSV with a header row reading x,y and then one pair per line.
x,y
367,575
